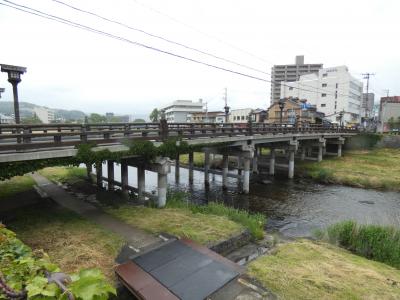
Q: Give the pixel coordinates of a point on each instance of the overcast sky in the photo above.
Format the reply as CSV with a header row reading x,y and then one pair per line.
x,y
74,69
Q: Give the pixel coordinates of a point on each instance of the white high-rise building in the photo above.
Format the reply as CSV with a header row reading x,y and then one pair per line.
x,y
44,114
180,111
332,90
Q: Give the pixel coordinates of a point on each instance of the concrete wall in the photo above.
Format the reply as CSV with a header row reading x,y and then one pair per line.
x,y
389,141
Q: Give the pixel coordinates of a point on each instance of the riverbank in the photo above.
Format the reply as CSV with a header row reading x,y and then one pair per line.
x,y
376,168
306,269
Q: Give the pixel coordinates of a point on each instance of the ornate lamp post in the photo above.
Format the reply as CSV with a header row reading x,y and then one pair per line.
x,y
14,77
1,91
281,106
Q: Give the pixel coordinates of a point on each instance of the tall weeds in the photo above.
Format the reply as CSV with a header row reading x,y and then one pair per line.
x,y
380,243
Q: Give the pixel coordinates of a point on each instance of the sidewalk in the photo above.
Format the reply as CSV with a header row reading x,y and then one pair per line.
x,y
135,237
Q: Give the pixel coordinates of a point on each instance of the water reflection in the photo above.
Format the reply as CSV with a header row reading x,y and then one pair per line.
x,y
293,207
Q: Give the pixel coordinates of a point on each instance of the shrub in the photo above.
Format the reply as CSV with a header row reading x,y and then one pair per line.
x,y
380,243
253,222
25,274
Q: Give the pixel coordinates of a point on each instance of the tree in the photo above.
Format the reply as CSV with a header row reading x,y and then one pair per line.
x,y
155,114
31,120
96,118
139,121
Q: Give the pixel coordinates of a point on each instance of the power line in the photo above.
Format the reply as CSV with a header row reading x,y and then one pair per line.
x,y
158,37
41,14
202,32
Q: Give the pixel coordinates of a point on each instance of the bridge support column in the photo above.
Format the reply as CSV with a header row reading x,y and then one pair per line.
x,y
191,167
99,174
320,151
124,178
162,168
225,170
239,165
141,178
339,150
291,164
309,151
110,174
89,169
255,161
272,162
246,177
177,167
206,168
303,153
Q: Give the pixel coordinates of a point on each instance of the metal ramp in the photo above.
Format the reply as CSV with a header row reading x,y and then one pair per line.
x,y
180,269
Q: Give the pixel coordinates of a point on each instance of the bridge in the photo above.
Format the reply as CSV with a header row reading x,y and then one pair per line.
x,y
243,141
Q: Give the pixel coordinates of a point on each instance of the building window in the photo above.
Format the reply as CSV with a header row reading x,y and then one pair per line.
x,y
323,95
336,95
290,88
323,105
337,85
324,85
325,75
242,117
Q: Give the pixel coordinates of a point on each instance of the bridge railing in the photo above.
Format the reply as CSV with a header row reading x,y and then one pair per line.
x,y
19,137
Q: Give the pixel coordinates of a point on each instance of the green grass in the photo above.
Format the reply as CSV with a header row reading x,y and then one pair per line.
x,y
253,222
381,243
313,270
198,159
64,174
72,242
202,228
379,168
15,185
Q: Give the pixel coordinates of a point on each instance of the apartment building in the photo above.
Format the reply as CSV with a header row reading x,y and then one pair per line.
x,y
331,90
44,114
208,117
180,111
389,109
239,115
289,73
6,119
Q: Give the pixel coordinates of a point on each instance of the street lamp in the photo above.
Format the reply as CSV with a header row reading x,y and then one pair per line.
x,y
281,106
1,91
14,77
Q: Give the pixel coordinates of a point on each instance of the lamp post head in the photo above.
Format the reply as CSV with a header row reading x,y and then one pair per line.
x,y
14,72
281,103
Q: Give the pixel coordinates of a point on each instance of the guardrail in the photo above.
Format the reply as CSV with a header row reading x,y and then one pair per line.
x,y
19,137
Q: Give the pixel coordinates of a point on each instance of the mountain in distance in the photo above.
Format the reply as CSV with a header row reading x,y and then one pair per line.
x,y
26,111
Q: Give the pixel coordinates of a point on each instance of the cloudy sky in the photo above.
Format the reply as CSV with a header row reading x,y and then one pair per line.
x,y
75,69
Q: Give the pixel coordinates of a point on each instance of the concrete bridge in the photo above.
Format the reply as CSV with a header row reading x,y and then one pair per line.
x,y
243,141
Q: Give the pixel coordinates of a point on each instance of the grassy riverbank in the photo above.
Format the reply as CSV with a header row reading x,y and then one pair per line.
x,y
377,168
72,242
15,185
64,174
207,224
314,270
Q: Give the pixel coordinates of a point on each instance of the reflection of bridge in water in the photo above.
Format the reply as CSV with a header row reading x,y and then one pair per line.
x,y
32,142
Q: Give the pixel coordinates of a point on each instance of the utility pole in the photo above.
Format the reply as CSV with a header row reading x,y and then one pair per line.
x,y
366,76
387,93
206,112
226,108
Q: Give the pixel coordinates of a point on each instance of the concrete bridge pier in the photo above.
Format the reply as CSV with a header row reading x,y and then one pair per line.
x,y
99,174
206,167
303,153
191,167
177,168
162,167
141,178
110,175
239,165
124,178
246,177
272,162
255,161
225,165
321,146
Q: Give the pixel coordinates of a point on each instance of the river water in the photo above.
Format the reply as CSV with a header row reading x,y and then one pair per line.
x,y
294,208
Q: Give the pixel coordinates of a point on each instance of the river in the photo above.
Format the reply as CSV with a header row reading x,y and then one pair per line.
x,y
294,208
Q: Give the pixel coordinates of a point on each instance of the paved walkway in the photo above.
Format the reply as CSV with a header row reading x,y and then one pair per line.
x,y
135,237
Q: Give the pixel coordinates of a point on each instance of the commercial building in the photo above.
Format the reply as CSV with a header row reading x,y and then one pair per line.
x,y
239,115
332,91
6,119
367,106
389,110
208,117
44,114
180,111
294,111
289,73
